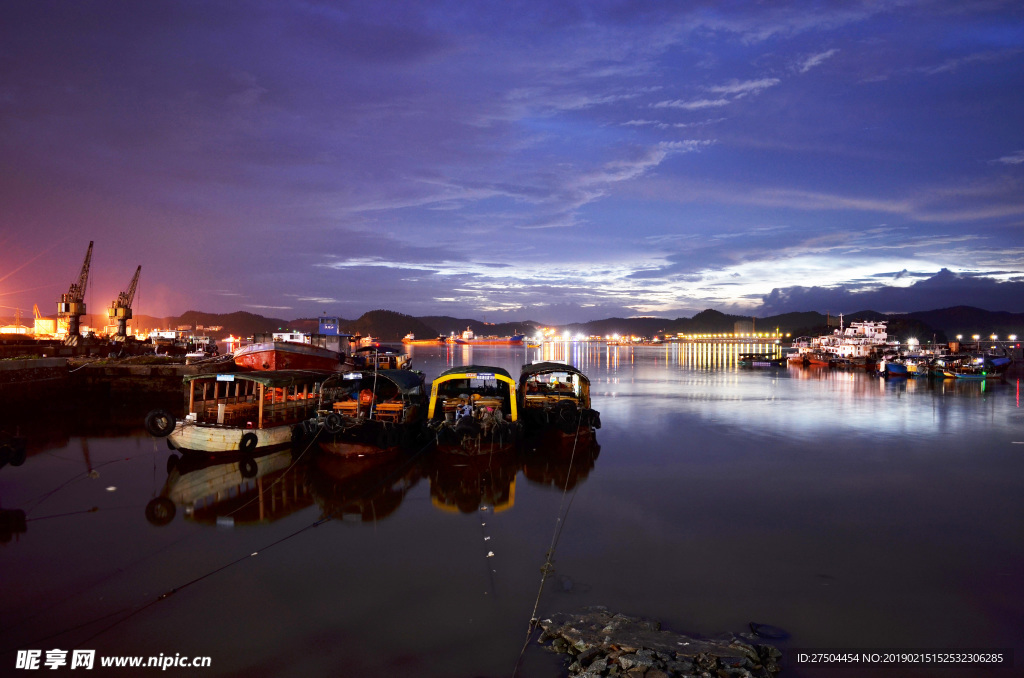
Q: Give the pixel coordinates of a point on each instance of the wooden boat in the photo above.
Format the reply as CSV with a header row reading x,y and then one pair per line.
x,y
473,410
288,355
370,412
556,396
380,356
240,412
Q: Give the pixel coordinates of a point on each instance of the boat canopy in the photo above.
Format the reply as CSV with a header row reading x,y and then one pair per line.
x,y
380,348
272,378
408,382
548,367
475,372
462,378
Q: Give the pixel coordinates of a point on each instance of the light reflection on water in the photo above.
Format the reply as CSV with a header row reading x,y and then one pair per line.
x,y
849,510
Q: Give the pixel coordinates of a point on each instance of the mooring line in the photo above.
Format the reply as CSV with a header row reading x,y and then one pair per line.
x,y
547,568
176,589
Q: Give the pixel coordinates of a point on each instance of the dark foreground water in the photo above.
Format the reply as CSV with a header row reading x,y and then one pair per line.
x,y
848,511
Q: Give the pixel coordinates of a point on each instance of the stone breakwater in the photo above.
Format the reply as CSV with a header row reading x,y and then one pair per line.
x,y
600,643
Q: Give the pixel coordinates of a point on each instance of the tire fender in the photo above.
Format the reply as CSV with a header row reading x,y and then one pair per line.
x,y
248,442
159,423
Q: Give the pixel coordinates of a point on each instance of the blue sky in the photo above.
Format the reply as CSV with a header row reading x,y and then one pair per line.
x,y
519,160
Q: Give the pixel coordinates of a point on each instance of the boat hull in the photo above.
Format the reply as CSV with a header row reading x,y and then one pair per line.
x,y
208,439
282,355
515,340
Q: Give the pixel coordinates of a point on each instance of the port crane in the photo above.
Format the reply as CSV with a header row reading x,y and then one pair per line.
x,y
120,310
72,305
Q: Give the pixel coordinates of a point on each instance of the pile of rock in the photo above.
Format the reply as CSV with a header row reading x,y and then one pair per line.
x,y
604,644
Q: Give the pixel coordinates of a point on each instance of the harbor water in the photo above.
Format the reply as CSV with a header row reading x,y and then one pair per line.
x,y
842,509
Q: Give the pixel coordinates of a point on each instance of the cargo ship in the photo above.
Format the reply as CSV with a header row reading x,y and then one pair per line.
x,y
467,337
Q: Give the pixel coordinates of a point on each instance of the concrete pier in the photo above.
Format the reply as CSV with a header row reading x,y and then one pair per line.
x,y
31,380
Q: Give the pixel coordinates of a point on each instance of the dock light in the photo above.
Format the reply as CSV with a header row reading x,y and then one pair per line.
x,y
994,337
959,337
975,336
1013,337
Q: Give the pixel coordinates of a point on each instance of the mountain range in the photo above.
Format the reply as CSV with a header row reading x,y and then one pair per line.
x,y
940,324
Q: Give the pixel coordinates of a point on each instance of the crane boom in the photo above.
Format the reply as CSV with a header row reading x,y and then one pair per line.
x,y
72,305
78,288
125,298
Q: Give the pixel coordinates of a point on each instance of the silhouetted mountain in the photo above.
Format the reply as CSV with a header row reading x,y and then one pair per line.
x,y
447,325
942,324
388,326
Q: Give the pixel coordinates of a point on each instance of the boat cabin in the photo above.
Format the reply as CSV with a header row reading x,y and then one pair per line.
x,y
253,399
395,396
545,384
473,390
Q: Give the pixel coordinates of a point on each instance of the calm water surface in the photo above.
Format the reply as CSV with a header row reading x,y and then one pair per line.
x,y
851,512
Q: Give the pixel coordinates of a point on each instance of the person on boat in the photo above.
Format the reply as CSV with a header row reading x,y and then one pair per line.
x,y
463,411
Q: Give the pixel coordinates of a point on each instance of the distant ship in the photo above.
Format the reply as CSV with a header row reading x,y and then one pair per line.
x,y
411,340
468,337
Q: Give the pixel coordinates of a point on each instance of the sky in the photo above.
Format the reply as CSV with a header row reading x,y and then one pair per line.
x,y
541,160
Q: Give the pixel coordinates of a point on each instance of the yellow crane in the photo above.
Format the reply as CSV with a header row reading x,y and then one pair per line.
x,y
120,310
72,304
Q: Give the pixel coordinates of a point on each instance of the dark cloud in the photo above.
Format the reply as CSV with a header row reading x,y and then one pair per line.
x,y
942,290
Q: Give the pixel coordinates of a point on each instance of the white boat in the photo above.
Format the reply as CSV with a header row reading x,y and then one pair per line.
x,y
856,345
240,412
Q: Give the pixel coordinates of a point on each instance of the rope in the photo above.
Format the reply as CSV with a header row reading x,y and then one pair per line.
x,y
548,567
167,594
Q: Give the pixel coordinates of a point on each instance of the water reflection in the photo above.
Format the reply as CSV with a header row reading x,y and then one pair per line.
x,y
362,487
464,484
210,491
558,465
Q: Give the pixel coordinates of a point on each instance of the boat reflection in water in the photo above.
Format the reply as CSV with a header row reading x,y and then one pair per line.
x,y
234,493
467,483
550,462
348,484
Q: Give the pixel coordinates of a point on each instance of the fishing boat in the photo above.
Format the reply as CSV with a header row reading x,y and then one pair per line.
x,y
380,356
556,396
473,410
370,412
240,412
468,337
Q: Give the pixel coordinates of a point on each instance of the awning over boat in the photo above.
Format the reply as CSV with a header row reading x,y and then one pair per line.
x,y
548,367
272,378
407,381
467,370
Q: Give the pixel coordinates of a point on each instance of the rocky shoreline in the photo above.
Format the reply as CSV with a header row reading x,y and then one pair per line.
x,y
600,643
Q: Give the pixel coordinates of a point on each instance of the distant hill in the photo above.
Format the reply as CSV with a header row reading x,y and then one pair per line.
x,y
389,326
942,324
967,320
447,325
